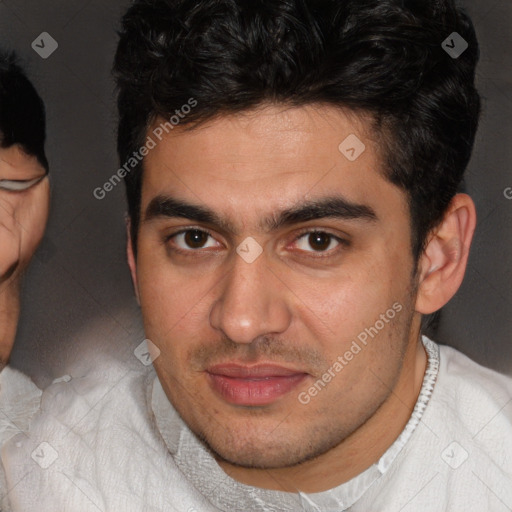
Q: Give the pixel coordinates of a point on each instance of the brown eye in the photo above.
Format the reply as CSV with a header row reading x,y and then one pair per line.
x,y
319,242
195,239
191,240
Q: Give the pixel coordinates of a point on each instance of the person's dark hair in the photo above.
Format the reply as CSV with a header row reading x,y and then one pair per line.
x,y
382,57
22,112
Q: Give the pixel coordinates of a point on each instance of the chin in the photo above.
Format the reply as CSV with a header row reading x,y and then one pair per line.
x,y
263,452
255,459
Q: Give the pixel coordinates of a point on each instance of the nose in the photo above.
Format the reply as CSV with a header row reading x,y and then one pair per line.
x,y
252,303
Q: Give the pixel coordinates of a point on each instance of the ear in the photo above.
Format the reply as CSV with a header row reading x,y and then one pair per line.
x,y
443,262
131,257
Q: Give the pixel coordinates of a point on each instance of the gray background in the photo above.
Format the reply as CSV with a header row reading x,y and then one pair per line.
x,y
78,292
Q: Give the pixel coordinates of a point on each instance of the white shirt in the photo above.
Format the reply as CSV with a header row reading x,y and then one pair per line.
x,y
111,441
20,399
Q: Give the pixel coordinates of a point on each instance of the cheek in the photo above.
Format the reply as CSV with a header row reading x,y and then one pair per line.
x,y
351,297
171,302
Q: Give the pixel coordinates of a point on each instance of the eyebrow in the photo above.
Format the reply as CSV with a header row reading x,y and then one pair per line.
x,y
333,207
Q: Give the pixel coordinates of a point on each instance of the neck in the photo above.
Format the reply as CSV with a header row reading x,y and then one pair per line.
x,y
9,314
360,450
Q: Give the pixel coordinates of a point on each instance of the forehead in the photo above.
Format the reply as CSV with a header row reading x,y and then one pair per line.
x,y
13,160
250,164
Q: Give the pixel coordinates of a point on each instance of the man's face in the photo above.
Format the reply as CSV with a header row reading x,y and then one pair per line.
x,y
24,205
244,336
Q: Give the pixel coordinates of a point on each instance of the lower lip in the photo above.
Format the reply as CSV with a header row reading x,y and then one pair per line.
x,y
256,391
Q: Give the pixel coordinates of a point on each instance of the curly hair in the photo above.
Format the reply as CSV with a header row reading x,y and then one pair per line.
x,y
382,58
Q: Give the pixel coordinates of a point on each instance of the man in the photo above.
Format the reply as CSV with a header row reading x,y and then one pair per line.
x,y
24,188
24,204
292,171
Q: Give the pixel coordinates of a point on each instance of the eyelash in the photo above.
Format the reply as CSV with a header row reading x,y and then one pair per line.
x,y
320,254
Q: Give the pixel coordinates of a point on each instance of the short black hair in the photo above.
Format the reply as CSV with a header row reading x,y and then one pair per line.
x,y
379,57
22,111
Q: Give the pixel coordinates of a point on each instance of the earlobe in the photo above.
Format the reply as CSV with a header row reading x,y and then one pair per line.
x,y
443,262
130,256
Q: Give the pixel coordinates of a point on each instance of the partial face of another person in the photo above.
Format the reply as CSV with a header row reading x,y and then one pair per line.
x,y
264,253
24,204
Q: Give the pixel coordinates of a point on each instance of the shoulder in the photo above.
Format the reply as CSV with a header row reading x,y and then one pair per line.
x,y
100,393
94,445
19,401
473,403
89,422
469,433
15,384
476,395
458,365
